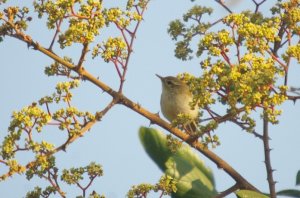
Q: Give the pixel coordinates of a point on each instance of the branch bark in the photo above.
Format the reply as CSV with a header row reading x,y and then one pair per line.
x,y
267,156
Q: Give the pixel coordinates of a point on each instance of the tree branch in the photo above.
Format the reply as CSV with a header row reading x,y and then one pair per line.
x,y
228,191
85,50
86,128
3,162
58,24
54,184
129,46
258,4
267,156
227,117
293,98
277,43
223,5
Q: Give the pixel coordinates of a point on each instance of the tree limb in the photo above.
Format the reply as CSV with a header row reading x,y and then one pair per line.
x,y
267,156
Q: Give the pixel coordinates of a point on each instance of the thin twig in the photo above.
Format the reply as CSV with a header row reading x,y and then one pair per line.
x,y
277,60
161,194
288,60
228,116
245,128
3,162
228,191
130,50
86,127
223,5
55,34
237,44
123,33
216,22
84,51
74,14
48,109
86,187
54,176
277,43
57,188
258,4
235,122
117,68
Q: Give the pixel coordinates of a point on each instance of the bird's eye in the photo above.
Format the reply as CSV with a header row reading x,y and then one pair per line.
x,y
169,82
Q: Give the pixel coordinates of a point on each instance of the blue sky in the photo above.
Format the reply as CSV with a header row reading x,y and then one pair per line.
x,y
114,142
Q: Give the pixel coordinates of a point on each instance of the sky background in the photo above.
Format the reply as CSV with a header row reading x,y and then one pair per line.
x,y
114,141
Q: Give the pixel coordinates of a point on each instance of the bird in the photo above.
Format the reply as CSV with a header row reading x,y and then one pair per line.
x,y
175,99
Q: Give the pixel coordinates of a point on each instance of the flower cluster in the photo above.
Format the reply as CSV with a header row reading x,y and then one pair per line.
x,y
166,185
113,48
240,66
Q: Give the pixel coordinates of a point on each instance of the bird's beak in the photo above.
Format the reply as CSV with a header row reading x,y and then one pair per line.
x,y
160,77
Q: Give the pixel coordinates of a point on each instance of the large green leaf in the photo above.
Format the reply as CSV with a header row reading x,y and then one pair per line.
x,y
289,193
194,178
249,194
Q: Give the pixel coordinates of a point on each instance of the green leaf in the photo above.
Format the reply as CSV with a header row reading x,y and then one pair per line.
x,y
249,194
298,178
194,178
289,193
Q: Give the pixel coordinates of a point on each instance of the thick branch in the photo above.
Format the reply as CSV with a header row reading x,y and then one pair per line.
x,y
267,157
294,98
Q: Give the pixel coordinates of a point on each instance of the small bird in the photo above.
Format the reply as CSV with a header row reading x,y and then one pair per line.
x,y
175,99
